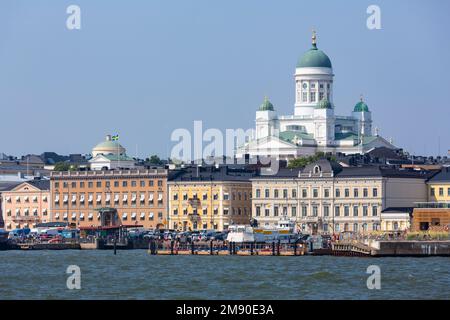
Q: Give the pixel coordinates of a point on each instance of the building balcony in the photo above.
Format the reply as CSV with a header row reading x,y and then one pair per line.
x,y
194,202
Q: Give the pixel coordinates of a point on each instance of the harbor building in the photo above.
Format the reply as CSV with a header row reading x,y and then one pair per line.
x,y
314,126
26,204
110,197
325,197
434,215
213,197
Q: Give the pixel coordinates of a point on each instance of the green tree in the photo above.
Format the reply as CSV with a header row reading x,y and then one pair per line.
x,y
65,166
154,159
303,161
61,166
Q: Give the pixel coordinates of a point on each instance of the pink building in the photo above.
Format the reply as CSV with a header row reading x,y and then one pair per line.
x,y
26,204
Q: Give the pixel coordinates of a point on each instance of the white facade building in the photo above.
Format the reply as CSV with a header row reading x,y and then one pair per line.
x,y
314,126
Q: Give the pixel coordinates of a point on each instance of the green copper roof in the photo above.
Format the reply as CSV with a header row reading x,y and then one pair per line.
x,y
314,58
266,105
324,104
115,157
109,145
291,136
361,107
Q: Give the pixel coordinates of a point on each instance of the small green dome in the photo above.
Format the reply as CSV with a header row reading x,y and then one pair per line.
x,y
324,104
361,107
266,105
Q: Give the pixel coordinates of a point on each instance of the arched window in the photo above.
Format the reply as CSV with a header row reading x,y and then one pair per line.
x,y
317,169
395,225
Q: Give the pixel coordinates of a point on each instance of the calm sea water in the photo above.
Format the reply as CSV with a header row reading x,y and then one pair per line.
x,y
134,274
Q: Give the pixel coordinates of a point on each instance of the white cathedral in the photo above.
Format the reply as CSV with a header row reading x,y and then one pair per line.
x,y
314,127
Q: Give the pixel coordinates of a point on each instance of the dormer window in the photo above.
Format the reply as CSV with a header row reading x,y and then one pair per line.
x,y
317,170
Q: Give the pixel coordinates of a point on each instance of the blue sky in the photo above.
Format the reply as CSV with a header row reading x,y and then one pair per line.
x,y
145,68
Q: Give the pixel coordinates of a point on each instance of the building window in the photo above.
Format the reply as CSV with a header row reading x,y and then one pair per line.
x,y
142,183
374,211
285,193
258,193
347,193
355,227
337,211
150,183
294,211
160,183
124,183
325,227
99,184
304,96
175,212
315,193
225,212
185,196
304,193
326,211
267,212
304,211
267,193
338,193
90,184
365,211
65,184
226,196
258,211
205,196
294,193
73,185
56,184
315,211
175,196
321,95
365,193
116,184
326,193
313,96
355,193
355,211
346,211
441,192
375,192
275,211
275,193
133,183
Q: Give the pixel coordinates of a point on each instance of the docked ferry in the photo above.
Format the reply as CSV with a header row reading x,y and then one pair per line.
x,y
285,232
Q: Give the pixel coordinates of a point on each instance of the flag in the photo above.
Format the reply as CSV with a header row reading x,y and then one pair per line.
x,y
115,138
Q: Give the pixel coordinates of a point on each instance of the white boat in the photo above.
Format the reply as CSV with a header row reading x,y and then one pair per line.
x,y
240,233
285,231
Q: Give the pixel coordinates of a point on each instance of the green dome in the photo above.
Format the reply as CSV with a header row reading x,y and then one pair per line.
x,y
108,147
324,104
266,105
361,107
314,58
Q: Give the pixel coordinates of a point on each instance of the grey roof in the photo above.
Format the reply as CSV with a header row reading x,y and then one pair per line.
x,y
212,173
442,176
333,169
40,184
6,186
398,209
282,173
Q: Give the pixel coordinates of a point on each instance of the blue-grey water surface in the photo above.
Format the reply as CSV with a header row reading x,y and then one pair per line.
x,y
134,274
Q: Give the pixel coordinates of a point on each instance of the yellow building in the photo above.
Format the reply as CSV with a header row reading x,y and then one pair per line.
x,y
209,198
434,214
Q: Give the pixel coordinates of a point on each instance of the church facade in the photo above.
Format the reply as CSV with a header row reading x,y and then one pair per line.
x,y
313,127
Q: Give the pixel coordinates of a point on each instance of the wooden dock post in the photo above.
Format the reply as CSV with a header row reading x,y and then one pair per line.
x,y
273,248
211,247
